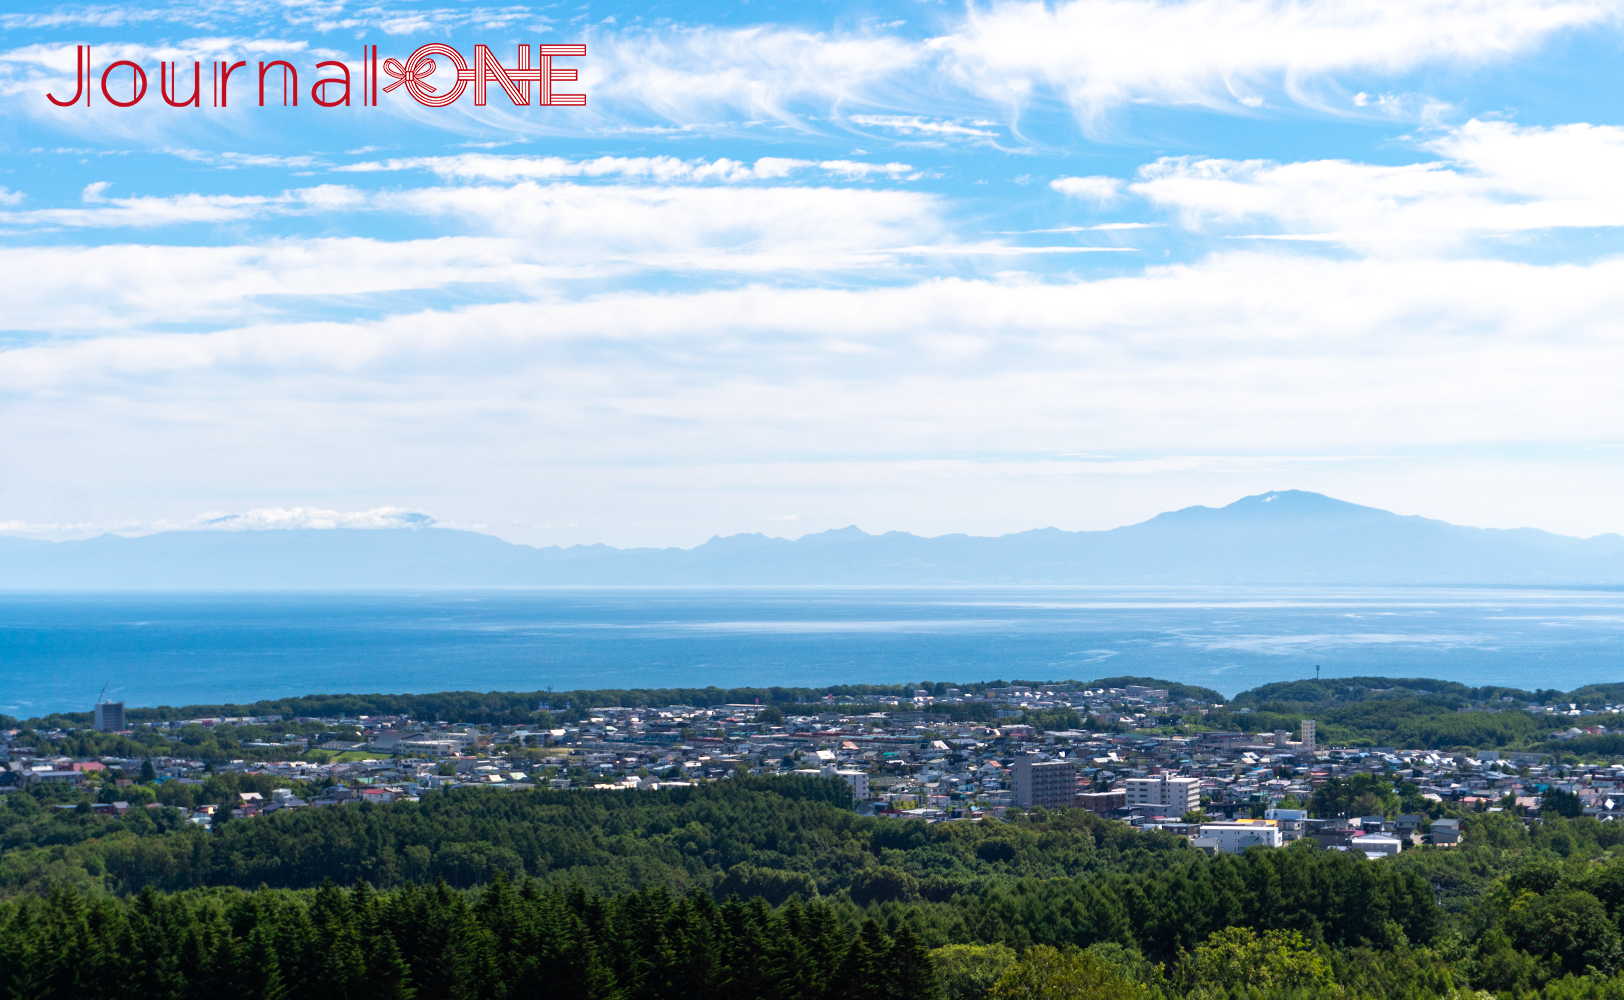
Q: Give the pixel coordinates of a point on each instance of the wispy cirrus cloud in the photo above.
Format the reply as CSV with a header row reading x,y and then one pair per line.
x,y
1098,54
919,125
1095,55
230,160
661,169
150,211
336,15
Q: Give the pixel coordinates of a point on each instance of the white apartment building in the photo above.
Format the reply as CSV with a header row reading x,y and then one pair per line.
x,y
858,780
1233,838
1051,784
1179,795
1292,822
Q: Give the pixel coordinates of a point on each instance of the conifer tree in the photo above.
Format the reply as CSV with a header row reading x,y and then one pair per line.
x,y
863,973
260,975
912,973
342,968
388,976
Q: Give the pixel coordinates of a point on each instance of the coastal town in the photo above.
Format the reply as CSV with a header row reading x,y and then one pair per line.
x,y
1224,790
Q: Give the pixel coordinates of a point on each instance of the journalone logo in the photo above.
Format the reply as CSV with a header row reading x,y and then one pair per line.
x,y
524,81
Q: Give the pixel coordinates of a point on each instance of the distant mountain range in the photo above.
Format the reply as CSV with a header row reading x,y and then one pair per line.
x,y
1285,537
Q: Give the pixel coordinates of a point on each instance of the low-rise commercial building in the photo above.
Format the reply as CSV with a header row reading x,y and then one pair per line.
x,y
1101,803
1233,838
427,748
1377,845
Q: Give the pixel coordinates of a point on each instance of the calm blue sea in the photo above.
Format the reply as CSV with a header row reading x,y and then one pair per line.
x,y
57,650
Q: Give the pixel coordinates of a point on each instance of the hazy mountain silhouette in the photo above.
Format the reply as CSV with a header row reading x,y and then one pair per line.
x,y
1285,537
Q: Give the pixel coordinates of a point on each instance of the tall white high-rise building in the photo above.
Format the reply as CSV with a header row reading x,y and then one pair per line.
x,y
1308,735
1051,784
109,716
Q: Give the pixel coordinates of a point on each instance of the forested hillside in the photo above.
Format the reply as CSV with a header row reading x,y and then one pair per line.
x,y
770,839
758,887
1416,712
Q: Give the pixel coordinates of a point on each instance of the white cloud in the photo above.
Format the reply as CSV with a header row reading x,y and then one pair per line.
x,y
527,239
685,73
1496,177
267,518
745,229
1104,227
105,16
1101,191
608,401
854,169
1185,357
140,286
579,229
1001,250
43,530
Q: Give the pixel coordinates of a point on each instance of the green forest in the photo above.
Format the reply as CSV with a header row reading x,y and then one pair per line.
x,y
508,707
774,887
1422,713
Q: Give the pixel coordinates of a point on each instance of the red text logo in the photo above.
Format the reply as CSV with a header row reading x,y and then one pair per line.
x,y
430,82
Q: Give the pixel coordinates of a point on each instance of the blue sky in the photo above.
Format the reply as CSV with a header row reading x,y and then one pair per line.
x,y
907,265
